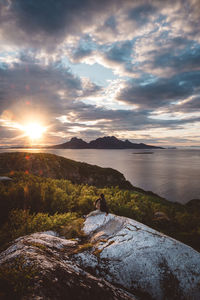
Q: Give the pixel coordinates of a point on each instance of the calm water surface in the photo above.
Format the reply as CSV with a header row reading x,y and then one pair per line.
x,y
173,174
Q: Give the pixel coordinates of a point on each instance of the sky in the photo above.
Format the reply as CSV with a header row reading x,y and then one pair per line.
x,y
89,69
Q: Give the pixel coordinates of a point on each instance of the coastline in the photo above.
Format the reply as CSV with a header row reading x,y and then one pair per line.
x,y
142,171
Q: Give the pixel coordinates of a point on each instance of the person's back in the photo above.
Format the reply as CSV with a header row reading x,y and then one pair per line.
x,y
101,204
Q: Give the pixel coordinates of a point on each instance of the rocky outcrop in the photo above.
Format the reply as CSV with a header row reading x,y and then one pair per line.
x,y
42,265
120,259
148,263
5,178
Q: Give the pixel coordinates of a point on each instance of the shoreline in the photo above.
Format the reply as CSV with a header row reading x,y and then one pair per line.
x,y
134,187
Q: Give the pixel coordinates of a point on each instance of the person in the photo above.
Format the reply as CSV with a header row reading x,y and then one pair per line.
x,y
101,204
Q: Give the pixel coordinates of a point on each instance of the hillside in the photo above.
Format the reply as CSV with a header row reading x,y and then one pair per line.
x,y
107,142
26,201
53,166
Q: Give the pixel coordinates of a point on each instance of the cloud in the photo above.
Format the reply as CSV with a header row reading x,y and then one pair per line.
x,y
159,43
191,105
119,52
51,93
111,23
161,91
44,23
186,60
164,56
152,47
142,13
80,53
80,50
30,90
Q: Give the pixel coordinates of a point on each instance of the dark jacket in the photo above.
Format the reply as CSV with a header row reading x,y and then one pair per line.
x,y
103,205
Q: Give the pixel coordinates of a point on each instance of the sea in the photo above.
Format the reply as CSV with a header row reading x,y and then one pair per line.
x,y
171,173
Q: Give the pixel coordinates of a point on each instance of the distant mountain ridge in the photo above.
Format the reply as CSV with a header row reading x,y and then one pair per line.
x,y
107,142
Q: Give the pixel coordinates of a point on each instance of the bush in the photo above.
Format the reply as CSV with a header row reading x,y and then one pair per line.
x,y
22,222
16,279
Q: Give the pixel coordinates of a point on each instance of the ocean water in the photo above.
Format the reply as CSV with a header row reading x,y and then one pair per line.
x,y
171,173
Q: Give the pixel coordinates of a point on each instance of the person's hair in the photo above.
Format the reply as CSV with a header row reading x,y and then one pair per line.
x,y
102,195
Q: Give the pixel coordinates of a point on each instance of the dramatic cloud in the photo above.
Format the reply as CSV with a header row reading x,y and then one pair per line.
x,y
49,22
89,68
161,92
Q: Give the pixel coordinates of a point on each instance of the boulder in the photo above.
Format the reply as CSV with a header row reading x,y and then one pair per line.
x,y
119,258
143,261
5,178
39,267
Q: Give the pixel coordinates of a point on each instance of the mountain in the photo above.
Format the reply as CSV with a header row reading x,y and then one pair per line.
x,y
107,142
74,143
118,258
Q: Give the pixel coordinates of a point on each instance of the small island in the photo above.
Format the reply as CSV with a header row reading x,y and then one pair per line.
x,y
143,152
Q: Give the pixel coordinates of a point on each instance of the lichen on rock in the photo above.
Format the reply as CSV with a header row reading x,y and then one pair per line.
x,y
142,260
119,259
39,266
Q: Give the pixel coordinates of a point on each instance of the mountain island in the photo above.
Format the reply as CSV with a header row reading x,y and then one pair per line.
x,y
107,142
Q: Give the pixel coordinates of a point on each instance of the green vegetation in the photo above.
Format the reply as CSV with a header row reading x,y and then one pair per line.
x,y
31,203
21,222
16,279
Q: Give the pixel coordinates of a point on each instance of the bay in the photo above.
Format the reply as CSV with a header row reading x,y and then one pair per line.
x,y
171,173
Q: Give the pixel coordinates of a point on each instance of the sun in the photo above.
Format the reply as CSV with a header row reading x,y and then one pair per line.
x,y
34,130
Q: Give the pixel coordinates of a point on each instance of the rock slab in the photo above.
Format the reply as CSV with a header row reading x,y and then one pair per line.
x,y
125,260
46,266
142,260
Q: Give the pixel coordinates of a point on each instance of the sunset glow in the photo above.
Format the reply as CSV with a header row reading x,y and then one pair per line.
x,y
34,131
125,68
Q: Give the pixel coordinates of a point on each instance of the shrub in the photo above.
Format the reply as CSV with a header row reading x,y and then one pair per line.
x,y
16,279
22,222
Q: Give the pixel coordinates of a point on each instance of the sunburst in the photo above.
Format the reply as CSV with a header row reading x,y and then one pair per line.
x,y
34,130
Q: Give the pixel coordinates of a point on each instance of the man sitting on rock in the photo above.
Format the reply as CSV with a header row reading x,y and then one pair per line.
x,y
101,205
